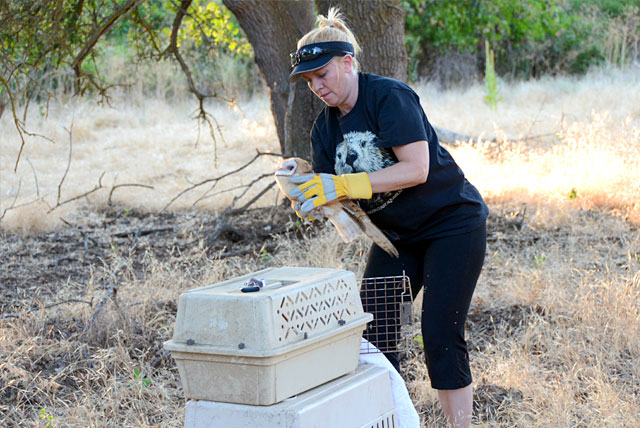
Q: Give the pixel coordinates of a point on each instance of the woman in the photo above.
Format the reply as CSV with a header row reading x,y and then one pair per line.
x,y
373,143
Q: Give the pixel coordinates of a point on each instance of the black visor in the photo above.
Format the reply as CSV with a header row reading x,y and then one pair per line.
x,y
316,55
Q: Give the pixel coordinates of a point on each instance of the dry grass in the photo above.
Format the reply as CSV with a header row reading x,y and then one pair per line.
x,y
554,329
152,143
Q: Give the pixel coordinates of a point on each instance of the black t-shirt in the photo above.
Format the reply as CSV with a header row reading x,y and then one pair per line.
x,y
388,114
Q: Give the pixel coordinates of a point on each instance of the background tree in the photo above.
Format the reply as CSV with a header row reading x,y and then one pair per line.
x,y
39,38
274,27
42,42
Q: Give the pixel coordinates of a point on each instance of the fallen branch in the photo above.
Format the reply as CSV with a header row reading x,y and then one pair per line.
x,y
113,290
53,305
450,137
255,198
68,301
84,234
245,251
222,222
7,316
141,232
446,136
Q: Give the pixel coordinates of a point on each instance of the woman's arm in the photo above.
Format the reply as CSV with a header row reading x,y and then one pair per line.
x,y
411,169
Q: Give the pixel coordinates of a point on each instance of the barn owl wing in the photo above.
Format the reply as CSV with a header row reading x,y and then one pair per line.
x,y
368,228
347,216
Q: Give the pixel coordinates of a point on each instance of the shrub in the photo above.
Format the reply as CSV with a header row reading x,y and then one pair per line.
x,y
530,38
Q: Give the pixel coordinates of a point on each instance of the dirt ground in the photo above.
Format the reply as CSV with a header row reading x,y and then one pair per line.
x,y
51,270
35,267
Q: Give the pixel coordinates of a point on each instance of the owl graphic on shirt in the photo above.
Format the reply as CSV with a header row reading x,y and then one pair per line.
x,y
358,152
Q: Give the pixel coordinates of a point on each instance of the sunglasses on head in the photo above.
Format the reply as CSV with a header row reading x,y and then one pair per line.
x,y
308,53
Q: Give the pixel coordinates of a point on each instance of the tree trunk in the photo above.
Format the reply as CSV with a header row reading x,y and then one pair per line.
x,y
379,28
273,29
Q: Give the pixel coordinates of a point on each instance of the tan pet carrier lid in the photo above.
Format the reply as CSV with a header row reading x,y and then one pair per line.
x,y
267,312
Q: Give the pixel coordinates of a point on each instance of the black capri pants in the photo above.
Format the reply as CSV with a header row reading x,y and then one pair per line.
x,y
448,268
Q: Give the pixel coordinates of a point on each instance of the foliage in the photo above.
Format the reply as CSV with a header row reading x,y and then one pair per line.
x,y
212,23
530,38
137,375
39,38
46,46
622,37
492,92
612,8
47,417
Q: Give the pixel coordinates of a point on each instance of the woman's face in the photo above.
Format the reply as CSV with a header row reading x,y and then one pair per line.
x,y
329,83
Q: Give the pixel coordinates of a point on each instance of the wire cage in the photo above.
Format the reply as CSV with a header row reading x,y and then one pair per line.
x,y
389,299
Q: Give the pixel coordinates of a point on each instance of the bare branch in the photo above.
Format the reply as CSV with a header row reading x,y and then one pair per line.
x,y
244,186
18,124
142,232
15,120
35,177
173,49
254,199
7,316
12,206
64,302
222,220
173,46
216,179
113,188
70,131
95,189
215,142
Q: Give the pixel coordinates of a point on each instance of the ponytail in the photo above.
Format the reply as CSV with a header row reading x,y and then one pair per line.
x,y
331,28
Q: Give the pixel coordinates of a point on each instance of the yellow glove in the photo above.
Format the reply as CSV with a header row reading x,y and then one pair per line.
x,y
318,189
296,207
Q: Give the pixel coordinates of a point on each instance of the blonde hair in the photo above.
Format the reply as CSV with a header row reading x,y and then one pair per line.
x,y
331,28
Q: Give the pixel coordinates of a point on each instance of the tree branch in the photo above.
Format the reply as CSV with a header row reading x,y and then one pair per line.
x,y
13,204
19,126
15,120
35,177
173,49
255,198
216,179
70,131
95,189
99,32
113,188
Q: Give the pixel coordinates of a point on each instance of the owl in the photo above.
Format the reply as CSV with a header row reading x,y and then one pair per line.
x,y
346,215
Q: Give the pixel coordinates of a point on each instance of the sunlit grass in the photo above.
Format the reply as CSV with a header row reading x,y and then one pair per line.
x,y
593,164
557,143
556,311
